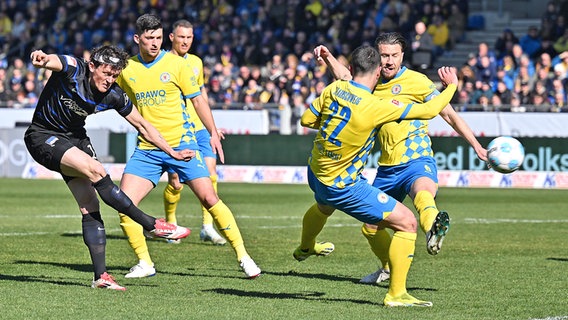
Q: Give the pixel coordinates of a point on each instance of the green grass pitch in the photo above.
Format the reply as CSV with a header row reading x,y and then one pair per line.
x,y
505,257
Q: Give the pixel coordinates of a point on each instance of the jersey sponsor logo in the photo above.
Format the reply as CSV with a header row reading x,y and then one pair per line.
x,y
150,98
396,103
396,89
165,77
73,106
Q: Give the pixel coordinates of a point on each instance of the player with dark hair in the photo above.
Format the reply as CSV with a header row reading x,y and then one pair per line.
x,y
347,116
160,83
406,164
182,39
57,139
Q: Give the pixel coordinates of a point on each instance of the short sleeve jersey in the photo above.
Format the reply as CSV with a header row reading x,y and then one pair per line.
x,y
68,99
402,141
349,117
159,90
196,65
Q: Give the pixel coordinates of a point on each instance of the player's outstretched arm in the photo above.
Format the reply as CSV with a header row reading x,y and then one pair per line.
x,y
41,59
454,120
204,113
460,126
150,133
338,70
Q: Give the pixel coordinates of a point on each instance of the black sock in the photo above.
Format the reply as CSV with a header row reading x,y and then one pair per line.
x,y
95,238
118,200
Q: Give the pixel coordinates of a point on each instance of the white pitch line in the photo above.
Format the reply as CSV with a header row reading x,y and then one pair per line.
x,y
490,221
551,318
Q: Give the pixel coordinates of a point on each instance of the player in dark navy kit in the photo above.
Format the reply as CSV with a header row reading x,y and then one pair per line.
x,y
57,139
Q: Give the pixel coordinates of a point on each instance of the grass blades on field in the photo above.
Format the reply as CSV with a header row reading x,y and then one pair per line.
x,y
505,257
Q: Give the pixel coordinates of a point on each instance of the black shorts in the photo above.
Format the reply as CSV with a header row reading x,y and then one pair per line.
x,y
47,147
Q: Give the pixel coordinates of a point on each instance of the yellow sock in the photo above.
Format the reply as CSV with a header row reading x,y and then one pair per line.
x,y
207,218
426,206
227,225
379,240
171,199
136,238
401,253
313,222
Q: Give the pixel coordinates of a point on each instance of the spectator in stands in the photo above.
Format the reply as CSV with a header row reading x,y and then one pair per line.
x,y
540,102
440,35
496,104
561,67
484,51
530,42
467,71
561,43
504,43
508,66
421,46
214,92
546,46
501,76
525,62
485,72
505,94
516,104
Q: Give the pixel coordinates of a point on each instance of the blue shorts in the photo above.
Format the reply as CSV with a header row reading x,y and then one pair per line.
x,y
203,140
396,181
360,200
151,164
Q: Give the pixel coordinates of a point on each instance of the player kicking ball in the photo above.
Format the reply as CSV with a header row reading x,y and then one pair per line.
x,y
57,139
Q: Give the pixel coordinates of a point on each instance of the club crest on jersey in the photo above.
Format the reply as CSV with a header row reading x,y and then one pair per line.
x,y
396,89
427,169
382,197
165,77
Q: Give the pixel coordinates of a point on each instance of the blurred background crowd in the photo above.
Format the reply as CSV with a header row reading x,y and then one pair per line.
x,y
259,53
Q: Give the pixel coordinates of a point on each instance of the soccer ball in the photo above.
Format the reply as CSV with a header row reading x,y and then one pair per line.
x,y
505,154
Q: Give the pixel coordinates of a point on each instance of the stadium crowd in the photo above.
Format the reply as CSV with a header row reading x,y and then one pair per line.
x,y
260,52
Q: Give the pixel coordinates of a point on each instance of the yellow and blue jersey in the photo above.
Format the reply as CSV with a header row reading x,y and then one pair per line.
x,y
196,65
405,140
347,116
159,90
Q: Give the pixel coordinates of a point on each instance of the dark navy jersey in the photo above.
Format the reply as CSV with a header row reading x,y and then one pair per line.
x,y
68,99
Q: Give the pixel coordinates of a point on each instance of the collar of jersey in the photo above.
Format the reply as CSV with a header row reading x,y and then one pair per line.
x,y
158,58
358,85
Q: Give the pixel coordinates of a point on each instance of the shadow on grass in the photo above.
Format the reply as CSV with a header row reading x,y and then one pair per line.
x,y
335,278
43,279
73,266
309,296
558,259
108,236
